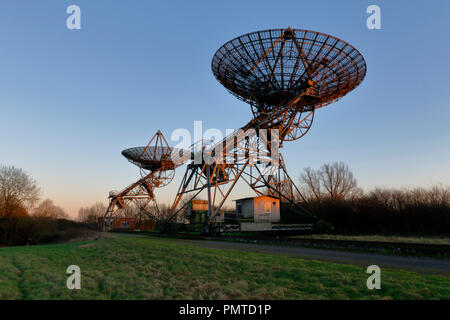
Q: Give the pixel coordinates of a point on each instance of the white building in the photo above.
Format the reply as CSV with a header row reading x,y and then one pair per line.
x,y
259,209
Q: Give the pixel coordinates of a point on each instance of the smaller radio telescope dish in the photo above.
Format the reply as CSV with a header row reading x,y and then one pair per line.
x,y
157,161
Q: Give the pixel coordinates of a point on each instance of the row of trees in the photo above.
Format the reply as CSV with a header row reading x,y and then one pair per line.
x,y
20,195
24,219
337,182
91,214
333,194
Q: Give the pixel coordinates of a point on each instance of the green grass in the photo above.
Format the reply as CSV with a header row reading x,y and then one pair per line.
x,y
152,268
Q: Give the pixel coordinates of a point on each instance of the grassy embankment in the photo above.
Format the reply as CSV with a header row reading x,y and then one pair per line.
x,y
151,268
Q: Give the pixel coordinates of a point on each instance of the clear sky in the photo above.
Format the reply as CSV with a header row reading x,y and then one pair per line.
x,y
72,100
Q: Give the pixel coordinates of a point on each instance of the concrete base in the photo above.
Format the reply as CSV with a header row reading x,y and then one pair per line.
x,y
251,226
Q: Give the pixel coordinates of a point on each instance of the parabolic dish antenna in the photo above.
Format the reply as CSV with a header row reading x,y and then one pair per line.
x,y
157,163
271,67
154,158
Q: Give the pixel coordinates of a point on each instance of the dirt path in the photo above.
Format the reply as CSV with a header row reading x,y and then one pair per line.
x,y
429,265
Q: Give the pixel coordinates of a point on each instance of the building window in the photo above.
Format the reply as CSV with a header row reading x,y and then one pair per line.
x,y
268,207
125,224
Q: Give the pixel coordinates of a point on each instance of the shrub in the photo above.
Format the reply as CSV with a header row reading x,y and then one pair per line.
x,y
33,230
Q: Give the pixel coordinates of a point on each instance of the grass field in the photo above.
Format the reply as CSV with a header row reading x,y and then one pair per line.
x,y
150,268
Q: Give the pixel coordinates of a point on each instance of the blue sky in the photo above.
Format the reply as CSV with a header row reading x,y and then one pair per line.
x,y
70,101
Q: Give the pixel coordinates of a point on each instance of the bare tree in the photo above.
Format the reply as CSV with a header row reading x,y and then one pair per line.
x,y
310,179
47,209
338,180
334,181
92,213
18,192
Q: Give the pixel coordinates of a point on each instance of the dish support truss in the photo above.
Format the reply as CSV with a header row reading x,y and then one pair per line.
x,y
251,154
141,193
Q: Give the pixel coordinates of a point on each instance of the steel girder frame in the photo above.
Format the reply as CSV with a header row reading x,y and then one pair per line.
x,y
253,150
157,170
140,193
219,179
214,178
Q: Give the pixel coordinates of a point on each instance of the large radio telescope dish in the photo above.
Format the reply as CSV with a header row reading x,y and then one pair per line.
x,y
272,67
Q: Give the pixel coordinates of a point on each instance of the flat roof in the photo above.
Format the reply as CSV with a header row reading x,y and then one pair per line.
x,y
265,196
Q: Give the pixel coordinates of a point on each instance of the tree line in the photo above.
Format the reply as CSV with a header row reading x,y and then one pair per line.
x,y
20,195
333,194
24,218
